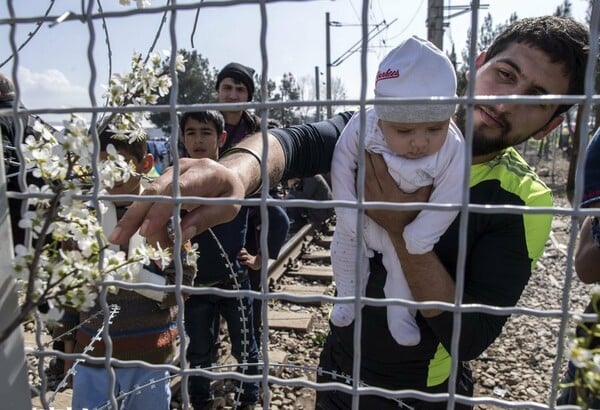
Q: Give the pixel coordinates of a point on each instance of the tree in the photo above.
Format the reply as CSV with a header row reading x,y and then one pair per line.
x,y
487,34
196,85
564,9
271,86
338,93
307,89
288,91
306,85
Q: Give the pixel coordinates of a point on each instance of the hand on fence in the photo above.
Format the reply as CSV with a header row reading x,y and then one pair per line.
x,y
197,178
251,261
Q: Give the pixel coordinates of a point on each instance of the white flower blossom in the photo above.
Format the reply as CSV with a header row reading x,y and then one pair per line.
x,y
139,3
180,63
75,259
143,3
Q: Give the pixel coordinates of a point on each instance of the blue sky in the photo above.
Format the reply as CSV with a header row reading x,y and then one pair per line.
x,y
53,69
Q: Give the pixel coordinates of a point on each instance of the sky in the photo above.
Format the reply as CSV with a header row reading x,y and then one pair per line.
x,y
54,72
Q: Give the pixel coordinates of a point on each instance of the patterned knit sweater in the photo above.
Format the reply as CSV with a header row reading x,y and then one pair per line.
x,y
141,330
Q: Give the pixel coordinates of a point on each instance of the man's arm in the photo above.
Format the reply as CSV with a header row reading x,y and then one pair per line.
x,y
499,268
235,176
587,254
295,151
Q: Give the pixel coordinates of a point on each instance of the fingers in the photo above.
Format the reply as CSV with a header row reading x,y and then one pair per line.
x,y
197,178
378,177
422,194
130,222
206,216
139,215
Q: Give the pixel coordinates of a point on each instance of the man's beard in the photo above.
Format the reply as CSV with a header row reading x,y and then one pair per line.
x,y
482,145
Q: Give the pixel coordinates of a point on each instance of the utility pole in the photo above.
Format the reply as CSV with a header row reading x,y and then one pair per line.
x,y
328,62
435,22
378,28
317,94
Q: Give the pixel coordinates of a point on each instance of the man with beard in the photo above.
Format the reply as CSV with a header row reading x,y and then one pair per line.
x,y
532,57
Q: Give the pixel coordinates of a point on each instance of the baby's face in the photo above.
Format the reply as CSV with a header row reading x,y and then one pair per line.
x,y
414,140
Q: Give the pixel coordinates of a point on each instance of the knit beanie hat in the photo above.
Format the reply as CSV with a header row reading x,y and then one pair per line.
x,y
240,73
416,68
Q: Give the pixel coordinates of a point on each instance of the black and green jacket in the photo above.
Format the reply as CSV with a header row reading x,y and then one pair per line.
x,y
501,249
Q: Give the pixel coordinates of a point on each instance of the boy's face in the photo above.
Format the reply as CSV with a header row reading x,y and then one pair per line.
x,y
201,139
414,140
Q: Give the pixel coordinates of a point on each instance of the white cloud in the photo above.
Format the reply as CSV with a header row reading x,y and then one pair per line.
x,y
49,89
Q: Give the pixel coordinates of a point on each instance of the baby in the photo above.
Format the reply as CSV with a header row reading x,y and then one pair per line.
x,y
421,146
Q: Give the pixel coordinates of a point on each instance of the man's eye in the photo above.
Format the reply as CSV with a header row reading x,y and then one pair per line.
x,y
504,74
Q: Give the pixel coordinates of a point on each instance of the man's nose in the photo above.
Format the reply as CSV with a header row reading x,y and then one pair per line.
x,y
511,106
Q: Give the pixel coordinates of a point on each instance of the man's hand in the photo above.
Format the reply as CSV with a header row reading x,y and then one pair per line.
x,y
247,259
381,187
197,178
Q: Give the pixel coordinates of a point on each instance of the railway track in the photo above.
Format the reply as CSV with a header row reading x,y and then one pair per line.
x,y
297,324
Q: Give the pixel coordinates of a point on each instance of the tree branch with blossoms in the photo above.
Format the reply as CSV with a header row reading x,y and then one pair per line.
x,y
584,353
71,256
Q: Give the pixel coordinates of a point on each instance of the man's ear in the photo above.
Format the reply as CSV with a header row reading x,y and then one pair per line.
x,y
546,129
221,139
147,164
479,60
478,63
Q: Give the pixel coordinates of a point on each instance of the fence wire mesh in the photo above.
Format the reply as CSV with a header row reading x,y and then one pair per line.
x,y
95,22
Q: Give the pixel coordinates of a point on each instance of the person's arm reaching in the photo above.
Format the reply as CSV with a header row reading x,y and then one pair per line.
x,y
301,150
235,176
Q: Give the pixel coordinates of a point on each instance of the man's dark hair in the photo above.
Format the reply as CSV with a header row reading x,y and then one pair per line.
x,y
137,148
208,117
563,39
240,74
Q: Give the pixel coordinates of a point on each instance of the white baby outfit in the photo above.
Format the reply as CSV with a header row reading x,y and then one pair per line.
x,y
444,169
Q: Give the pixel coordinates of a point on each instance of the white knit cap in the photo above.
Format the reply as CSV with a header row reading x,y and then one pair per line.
x,y
414,69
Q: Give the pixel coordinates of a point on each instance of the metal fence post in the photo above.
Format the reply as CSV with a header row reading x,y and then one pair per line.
x,y
14,385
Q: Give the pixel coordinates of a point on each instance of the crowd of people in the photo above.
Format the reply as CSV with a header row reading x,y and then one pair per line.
x,y
414,153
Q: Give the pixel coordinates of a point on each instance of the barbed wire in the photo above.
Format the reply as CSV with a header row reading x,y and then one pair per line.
x,y
228,368
31,34
114,311
158,32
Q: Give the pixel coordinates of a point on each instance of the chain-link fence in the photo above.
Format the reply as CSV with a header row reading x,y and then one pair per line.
x,y
95,22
